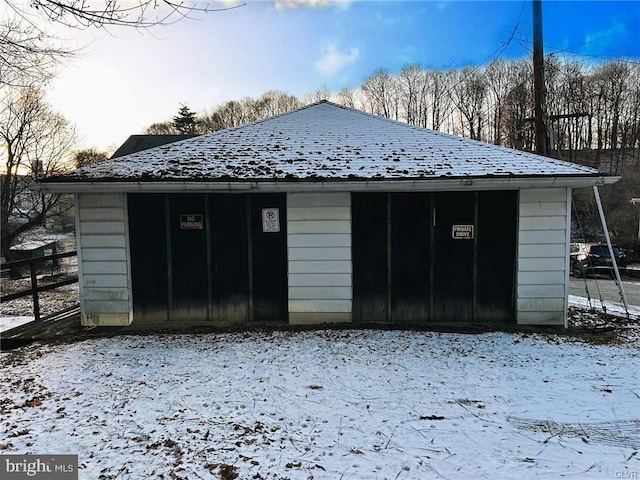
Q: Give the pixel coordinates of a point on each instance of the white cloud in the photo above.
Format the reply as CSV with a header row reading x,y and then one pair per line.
x,y
333,60
284,4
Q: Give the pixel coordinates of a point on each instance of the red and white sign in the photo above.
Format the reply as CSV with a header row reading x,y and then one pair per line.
x,y
270,220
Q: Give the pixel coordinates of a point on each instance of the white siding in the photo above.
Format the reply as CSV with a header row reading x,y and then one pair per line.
x,y
103,259
543,265
319,256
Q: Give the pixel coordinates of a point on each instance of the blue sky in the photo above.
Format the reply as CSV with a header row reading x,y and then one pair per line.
x,y
125,80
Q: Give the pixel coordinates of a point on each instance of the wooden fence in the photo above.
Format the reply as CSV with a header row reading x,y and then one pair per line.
x,y
35,288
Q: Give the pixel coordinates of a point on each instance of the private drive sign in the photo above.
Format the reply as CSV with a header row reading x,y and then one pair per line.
x,y
462,232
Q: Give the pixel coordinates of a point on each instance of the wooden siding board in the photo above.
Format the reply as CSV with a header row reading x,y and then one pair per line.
x,y
105,268
542,195
106,306
100,200
319,306
108,228
318,213
541,278
81,278
318,318
106,294
105,281
543,223
566,257
544,227
555,318
102,214
532,237
103,241
103,259
104,254
319,255
543,304
105,319
320,266
327,253
320,293
312,226
308,200
542,264
540,209
320,240
319,280
535,291
551,250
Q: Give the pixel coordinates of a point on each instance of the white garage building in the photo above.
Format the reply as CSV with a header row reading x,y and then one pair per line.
x,y
324,214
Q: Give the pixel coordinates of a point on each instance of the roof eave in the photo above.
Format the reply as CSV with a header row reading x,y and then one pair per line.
x,y
329,185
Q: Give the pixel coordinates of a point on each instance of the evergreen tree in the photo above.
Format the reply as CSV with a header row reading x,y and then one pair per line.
x,y
185,121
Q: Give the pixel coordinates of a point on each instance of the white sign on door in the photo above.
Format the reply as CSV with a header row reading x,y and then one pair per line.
x,y
270,220
462,232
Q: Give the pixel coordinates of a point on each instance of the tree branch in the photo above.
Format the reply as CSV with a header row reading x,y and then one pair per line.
x,y
113,13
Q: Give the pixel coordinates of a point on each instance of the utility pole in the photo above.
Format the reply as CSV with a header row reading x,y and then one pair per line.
x,y
538,80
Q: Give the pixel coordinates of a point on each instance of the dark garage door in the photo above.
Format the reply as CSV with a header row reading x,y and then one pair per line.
x,y
434,257
205,257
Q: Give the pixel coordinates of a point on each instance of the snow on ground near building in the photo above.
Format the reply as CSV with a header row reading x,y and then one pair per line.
x,y
582,303
328,404
612,308
7,323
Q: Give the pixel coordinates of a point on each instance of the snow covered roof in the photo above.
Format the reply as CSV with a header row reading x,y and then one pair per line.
x,y
323,141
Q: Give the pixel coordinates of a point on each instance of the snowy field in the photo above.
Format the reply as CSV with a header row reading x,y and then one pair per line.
x,y
329,405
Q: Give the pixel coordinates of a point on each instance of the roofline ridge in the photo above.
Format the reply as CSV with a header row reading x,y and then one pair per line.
x,y
266,119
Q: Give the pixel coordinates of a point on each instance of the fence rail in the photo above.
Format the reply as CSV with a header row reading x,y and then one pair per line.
x,y
35,289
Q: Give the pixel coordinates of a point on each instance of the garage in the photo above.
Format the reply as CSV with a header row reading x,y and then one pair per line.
x,y
325,214
208,258
434,257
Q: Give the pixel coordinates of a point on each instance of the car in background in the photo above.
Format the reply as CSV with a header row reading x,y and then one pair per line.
x,y
594,258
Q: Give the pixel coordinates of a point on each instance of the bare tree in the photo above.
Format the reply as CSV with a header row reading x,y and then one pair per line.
x,y
37,142
271,103
611,83
88,157
469,96
499,82
630,127
347,97
161,128
101,13
381,93
516,126
439,99
322,93
228,115
411,88
28,55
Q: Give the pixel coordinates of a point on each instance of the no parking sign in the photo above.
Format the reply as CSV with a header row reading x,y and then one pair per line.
x,y
270,220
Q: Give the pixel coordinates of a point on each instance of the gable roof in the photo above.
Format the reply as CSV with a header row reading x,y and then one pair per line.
x,y
328,142
137,143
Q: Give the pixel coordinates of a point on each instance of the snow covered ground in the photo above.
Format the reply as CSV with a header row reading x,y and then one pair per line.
x,y
329,404
612,308
617,309
7,323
